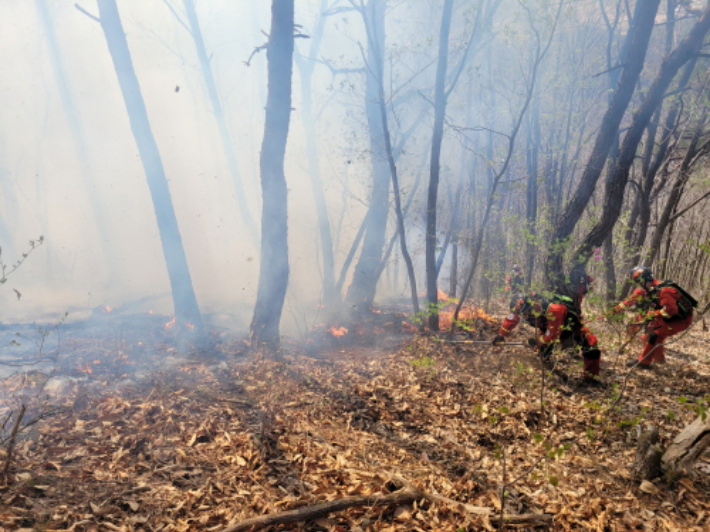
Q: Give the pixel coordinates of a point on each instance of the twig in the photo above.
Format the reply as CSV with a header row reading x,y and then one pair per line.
x,y
13,439
501,525
256,51
92,17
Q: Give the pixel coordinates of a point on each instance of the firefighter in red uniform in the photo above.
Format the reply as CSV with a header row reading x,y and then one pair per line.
x,y
555,321
515,280
665,306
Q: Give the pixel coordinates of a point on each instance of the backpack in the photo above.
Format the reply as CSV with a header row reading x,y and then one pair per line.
x,y
686,303
573,319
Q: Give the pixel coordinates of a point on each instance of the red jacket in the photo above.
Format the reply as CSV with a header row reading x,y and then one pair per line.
x,y
662,303
550,325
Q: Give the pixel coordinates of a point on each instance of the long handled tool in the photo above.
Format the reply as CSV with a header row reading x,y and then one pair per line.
x,y
483,342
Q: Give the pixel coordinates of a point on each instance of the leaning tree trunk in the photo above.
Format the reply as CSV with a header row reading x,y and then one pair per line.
x,y
644,18
616,184
274,268
227,143
104,229
184,300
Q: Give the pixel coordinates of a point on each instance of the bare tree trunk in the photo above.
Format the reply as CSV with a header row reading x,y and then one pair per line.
x,y
364,284
686,167
532,187
184,300
643,21
105,232
274,267
227,143
306,65
440,97
614,193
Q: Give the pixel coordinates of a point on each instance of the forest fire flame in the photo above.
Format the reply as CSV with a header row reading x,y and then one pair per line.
x,y
337,332
170,324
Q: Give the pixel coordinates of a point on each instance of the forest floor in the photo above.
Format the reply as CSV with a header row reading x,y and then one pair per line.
x,y
136,431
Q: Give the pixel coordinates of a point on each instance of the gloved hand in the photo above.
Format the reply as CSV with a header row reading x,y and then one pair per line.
x,y
498,340
652,338
532,342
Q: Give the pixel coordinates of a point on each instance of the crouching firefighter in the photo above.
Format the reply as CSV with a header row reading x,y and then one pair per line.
x,y
667,310
555,320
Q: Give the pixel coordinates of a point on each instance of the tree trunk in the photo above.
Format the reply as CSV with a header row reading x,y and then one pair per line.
x,y
104,229
435,165
686,167
531,192
643,21
614,193
274,267
364,284
687,446
306,65
184,300
227,143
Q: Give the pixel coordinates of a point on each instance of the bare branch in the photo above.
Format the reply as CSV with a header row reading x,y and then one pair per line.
x,y
93,17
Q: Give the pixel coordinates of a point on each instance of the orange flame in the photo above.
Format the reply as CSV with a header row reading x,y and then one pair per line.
x,y
189,326
337,332
85,369
170,324
467,315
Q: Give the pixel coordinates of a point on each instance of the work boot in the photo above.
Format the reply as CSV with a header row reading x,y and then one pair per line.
x,y
591,383
635,362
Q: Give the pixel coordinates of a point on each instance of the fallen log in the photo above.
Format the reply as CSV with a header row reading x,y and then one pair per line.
x,y
406,494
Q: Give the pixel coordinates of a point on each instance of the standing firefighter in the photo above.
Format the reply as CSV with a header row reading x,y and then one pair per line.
x,y
515,280
665,307
555,320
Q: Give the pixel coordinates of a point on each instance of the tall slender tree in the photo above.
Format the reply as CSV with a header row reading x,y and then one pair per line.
x,y
274,266
218,111
184,300
306,66
364,284
440,97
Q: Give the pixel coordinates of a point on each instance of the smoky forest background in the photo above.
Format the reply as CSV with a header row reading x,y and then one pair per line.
x,y
227,197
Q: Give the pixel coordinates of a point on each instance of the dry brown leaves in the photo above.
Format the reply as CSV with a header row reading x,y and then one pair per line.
x,y
201,446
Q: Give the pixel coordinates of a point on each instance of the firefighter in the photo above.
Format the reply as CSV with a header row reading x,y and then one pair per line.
x,y
579,285
666,309
515,280
555,320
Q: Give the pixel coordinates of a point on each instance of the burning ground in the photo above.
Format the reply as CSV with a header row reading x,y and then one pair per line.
x,y
164,435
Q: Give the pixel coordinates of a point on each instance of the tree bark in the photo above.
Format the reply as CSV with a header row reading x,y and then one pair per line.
x,y
644,18
184,300
688,445
274,267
